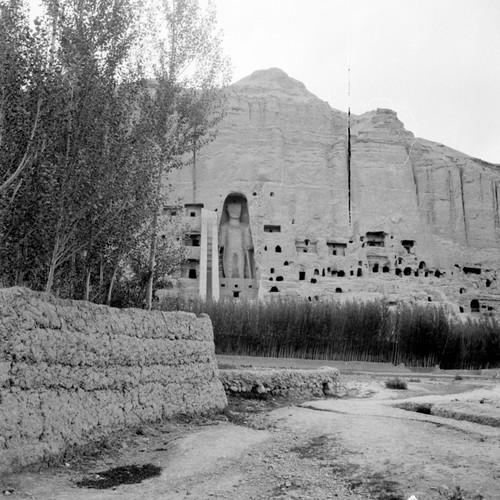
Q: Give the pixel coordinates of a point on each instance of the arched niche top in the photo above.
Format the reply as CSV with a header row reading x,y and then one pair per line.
x,y
235,197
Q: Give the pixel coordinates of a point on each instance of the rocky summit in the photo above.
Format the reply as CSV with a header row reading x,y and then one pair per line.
x,y
343,206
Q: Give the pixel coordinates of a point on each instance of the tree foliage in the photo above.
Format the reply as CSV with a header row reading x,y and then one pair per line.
x,y
95,107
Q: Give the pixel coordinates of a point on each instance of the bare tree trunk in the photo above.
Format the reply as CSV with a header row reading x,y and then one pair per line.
x,y
53,266
152,262
153,243
87,286
101,282
111,285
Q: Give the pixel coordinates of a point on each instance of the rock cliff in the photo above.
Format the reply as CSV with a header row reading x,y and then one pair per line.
x,y
380,211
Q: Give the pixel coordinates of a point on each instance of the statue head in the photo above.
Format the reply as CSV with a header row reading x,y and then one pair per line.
x,y
234,209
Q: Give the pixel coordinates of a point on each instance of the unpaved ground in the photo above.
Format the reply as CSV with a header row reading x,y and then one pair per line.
x,y
359,446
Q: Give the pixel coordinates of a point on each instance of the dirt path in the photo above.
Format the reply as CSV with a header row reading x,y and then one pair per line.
x,y
359,447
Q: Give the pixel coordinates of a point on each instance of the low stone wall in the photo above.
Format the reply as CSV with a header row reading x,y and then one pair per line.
x,y
72,372
321,382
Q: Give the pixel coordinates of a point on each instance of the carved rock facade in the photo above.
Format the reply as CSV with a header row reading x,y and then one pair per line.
x,y
373,212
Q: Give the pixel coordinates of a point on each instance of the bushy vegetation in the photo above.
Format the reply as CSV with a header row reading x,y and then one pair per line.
x,y
362,331
396,383
98,100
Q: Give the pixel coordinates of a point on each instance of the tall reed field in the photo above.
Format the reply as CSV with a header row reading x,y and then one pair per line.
x,y
350,331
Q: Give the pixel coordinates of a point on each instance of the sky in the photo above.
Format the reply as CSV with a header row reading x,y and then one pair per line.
x,y
435,62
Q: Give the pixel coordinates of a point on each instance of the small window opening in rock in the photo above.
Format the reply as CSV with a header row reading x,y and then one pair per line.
x,y
416,273
408,245
193,240
426,274
274,289
352,272
323,273
490,308
268,228
341,274
316,272
398,271
250,286
337,248
359,272
375,268
265,248
313,280
271,270
471,270
163,236
437,273
375,239
474,305
277,249
309,299
305,250
421,265
271,194
279,278
302,275
192,214
462,290
429,299
236,294
400,260
286,263
407,271
461,309
223,285
271,279
235,286
254,194
338,290
192,274
488,283
385,269
293,221
306,242
316,297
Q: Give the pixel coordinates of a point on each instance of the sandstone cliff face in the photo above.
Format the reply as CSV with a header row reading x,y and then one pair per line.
x,y
402,208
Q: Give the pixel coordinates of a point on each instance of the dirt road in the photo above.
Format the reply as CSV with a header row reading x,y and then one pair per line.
x,y
360,446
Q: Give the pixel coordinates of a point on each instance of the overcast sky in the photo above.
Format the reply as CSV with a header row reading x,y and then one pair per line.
x,y
435,62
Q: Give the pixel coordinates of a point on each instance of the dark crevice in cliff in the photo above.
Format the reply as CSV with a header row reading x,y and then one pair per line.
x,y
414,173
461,172
495,203
349,164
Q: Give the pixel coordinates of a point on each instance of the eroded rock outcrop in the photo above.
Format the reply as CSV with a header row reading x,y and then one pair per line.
x,y
383,213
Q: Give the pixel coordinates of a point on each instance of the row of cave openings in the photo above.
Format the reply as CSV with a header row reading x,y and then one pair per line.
x,y
372,239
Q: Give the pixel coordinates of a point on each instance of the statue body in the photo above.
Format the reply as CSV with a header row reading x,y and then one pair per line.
x,y
236,241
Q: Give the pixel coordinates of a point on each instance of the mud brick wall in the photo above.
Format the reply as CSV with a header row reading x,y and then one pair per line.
x,y
72,372
322,382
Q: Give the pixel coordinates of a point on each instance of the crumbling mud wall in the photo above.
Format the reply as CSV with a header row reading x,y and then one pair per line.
x,y
72,372
259,382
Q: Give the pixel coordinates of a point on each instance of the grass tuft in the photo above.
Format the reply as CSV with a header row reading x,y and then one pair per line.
x,y
396,383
